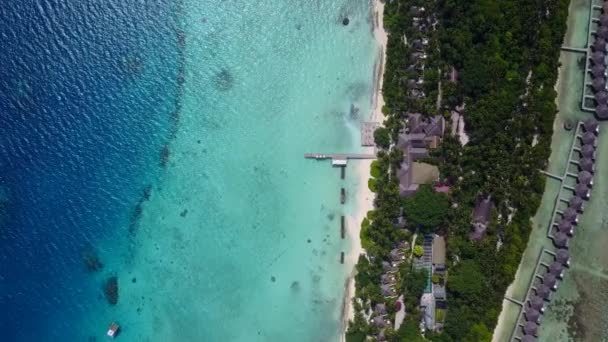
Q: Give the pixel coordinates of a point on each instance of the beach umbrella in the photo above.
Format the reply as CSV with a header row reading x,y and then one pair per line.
x,y
563,256
565,227
591,125
530,328
532,315
543,291
588,138
598,70
570,214
560,240
557,269
537,303
576,203
582,191
598,84
586,164
584,177
601,97
588,151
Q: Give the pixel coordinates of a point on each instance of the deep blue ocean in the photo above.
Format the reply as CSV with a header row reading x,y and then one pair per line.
x,y
88,97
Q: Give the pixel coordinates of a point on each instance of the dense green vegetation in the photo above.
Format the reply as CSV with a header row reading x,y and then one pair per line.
x,y
506,54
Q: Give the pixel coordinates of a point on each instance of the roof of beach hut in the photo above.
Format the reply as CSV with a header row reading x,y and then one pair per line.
x,y
562,256
588,138
601,97
560,240
601,110
586,164
591,125
537,303
532,315
379,321
598,84
602,32
386,265
531,328
599,44
543,291
550,280
556,268
604,19
581,190
570,214
598,70
586,178
528,338
564,226
599,57
588,151
380,309
576,203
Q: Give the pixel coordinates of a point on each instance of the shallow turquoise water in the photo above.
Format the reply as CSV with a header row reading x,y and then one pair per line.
x,y
221,250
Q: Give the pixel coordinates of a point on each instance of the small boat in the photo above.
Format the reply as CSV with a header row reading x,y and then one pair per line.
x,y
113,330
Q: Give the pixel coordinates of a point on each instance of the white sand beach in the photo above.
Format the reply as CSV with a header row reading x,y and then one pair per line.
x,y
364,198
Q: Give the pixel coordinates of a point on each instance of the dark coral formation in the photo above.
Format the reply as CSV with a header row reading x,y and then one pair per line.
x,y
165,153
345,21
110,289
224,80
91,260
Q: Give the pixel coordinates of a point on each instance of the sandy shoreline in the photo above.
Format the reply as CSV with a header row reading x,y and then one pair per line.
x,y
364,198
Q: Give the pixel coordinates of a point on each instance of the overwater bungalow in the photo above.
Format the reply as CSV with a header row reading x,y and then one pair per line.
x,y
563,256
602,32
586,164
598,84
565,227
557,269
603,19
589,138
380,309
537,303
585,177
592,125
576,203
532,315
570,214
588,151
602,109
561,240
531,328
550,281
543,291
605,7
582,191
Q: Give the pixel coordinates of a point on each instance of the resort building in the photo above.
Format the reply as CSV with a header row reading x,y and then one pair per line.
x,y
563,256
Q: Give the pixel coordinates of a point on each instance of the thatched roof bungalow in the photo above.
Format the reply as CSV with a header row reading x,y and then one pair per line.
x,y
528,338
531,328
587,164
543,292
576,203
582,191
537,303
598,84
565,227
550,281
591,125
532,315
585,177
557,269
588,138
563,256
561,240
602,109
598,70
588,151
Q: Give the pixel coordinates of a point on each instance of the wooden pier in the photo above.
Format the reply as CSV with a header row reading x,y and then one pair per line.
x,y
338,159
342,229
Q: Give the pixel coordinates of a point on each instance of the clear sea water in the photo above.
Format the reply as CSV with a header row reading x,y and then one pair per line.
x,y
167,138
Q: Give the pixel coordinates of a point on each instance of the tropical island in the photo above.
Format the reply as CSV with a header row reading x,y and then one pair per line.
x,y
469,88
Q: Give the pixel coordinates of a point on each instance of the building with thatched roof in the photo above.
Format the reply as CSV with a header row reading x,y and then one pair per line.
x,y
530,328
565,227
582,191
605,7
601,110
599,44
602,32
532,315
543,292
482,214
591,125
380,309
550,281
563,256
598,57
387,290
586,164
598,84
576,203
387,279
588,151
585,177
528,338
598,70
557,269
570,215
379,321
560,240
537,303
601,97
588,138
603,20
